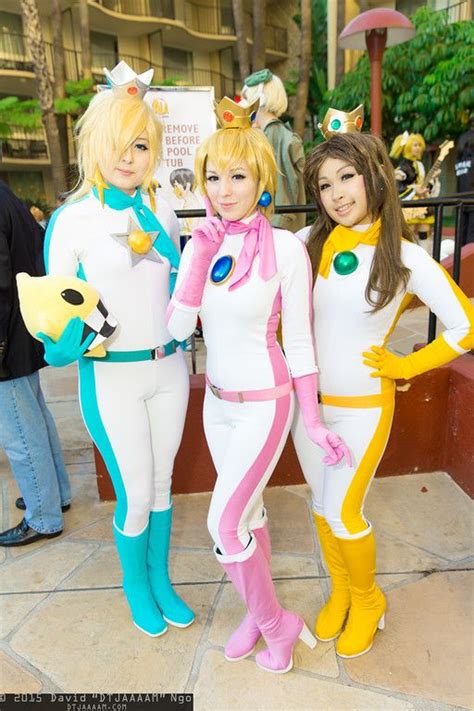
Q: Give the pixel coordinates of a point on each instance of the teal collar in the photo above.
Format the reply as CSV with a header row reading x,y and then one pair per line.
x,y
148,221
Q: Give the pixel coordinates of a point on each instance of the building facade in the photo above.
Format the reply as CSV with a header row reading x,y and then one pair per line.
x,y
187,42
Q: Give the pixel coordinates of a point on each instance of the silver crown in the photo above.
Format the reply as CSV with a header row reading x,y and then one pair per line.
x,y
125,82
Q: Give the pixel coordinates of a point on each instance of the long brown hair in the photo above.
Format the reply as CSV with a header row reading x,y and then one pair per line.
x,y
367,154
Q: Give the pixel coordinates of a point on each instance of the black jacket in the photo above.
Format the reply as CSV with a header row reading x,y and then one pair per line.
x,y
21,250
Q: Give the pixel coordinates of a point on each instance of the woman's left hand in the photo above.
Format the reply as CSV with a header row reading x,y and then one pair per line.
x,y
332,444
385,364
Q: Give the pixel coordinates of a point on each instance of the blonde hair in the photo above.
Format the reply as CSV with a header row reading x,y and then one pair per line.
x,y
402,146
228,147
107,128
272,95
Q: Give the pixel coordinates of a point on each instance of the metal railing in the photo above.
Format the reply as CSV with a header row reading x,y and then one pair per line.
x,y
14,56
24,145
457,11
142,8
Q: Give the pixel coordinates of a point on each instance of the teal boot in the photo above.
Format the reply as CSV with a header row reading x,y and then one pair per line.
x,y
175,611
136,586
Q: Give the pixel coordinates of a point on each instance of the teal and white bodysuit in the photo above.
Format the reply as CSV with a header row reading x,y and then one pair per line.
x,y
134,408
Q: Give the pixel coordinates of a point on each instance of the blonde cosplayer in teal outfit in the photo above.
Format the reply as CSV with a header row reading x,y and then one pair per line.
x,y
133,401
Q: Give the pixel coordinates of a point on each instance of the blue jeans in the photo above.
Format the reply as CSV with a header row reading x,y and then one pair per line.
x,y
29,437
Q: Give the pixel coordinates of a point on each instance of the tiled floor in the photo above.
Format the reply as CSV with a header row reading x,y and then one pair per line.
x,y
65,625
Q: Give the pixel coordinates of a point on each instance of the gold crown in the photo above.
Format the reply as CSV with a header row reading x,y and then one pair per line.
x,y
230,114
337,121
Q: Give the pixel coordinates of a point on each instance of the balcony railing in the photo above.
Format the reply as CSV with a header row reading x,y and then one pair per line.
x,y
457,11
15,56
25,145
142,8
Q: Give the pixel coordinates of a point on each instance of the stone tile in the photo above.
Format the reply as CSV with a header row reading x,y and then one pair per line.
x,y
103,569
14,609
219,686
302,490
439,521
302,596
290,524
189,521
71,428
43,569
90,626
426,648
390,582
294,566
100,531
399,556
15,679
399,333
404,346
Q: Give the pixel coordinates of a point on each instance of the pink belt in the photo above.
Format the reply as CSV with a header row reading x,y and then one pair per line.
x,y
251,395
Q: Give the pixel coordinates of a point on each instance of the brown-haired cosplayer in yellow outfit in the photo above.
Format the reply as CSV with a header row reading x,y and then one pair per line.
x,y
357,386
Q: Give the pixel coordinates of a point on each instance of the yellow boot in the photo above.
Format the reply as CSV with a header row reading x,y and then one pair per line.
x,y
333,615
367,612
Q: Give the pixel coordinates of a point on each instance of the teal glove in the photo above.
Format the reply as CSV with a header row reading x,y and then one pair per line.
x,y
69,347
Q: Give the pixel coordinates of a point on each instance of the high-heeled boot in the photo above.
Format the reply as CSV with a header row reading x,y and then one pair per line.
x,y
243,640
280,628
368,604
173,608
332,616
136,585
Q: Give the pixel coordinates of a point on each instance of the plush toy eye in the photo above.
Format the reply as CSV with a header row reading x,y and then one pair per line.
x,y
72,297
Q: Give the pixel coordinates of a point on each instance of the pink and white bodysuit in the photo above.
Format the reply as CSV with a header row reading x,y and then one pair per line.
x,y
246,438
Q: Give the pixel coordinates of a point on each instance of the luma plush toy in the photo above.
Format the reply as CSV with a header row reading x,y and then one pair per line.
x,y
48,303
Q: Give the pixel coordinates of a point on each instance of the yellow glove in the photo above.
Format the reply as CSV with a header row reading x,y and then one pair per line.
x,y
389,365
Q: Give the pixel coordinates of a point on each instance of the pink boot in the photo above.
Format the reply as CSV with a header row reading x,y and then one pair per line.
x,y
280,628
242,642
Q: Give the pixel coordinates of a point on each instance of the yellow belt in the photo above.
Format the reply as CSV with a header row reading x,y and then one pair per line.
x,y
378,400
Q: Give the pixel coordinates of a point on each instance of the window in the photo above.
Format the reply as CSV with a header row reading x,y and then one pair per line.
x,y
178,63
103,50
12,47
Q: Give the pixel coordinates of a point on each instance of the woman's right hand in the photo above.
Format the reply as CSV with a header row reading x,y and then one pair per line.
x,y
207,238
68,347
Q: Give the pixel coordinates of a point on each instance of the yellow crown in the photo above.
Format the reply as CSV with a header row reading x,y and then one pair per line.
x,y
337,121
230,114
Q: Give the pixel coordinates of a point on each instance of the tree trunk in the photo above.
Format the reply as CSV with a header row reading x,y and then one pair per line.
x,y
86,58
59,75
305,64
242,49
35,42
259,17
341,23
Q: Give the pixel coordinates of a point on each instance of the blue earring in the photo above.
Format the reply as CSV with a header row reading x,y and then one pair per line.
x,y
265,199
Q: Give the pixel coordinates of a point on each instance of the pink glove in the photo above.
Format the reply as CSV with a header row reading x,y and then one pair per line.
x,y
206,239
306,388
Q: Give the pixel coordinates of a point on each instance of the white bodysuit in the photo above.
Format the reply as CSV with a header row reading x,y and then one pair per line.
x,y
239,327
134,411
356,406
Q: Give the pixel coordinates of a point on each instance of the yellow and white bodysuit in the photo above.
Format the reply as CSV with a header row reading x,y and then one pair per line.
x,y
355,405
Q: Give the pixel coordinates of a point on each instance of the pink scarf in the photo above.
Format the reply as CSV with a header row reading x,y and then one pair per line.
x,y
258,240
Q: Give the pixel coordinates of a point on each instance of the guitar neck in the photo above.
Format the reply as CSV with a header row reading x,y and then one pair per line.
x,y
430,173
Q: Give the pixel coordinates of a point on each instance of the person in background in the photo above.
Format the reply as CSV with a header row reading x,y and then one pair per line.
x,y
287,146
464,167
27,430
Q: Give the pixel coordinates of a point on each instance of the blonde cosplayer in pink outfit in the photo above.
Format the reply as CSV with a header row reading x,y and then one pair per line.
x,y
241,276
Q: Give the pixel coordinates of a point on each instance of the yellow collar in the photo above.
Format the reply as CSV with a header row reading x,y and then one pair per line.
x,y
343,239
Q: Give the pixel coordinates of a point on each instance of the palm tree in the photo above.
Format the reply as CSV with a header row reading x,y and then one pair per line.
x,y
59,74
35,42
242,49
305,64
85,40
259,17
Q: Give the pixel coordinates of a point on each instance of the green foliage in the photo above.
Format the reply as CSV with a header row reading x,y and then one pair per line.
x,y
26,113
427,83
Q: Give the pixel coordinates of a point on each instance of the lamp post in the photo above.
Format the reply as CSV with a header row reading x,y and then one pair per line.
x,y
374,30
